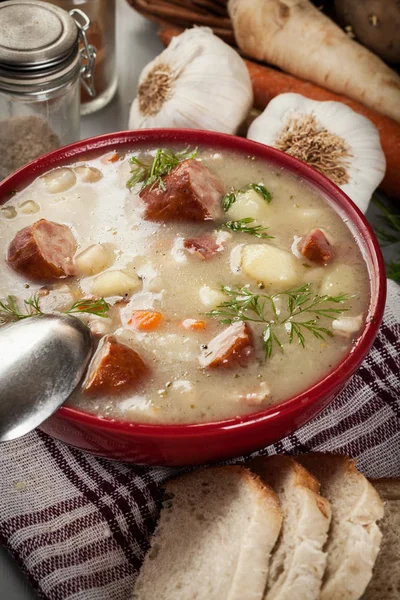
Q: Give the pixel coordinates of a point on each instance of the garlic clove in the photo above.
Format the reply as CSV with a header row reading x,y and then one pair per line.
x,y
363,160
198,82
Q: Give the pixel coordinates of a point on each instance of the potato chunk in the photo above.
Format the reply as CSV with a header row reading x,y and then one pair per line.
x,y
114,283
211,297
248,204
59,180
30,207
88,174
94,259
270,265
339,281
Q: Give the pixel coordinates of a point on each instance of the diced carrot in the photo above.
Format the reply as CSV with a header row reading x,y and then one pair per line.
x,y
193,324
146,320
110,157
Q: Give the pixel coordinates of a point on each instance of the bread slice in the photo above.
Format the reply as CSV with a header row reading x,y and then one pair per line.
x,y
298,560
385,582
354,537
214,538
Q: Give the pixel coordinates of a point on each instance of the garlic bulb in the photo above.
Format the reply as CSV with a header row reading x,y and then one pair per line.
x,y
198,82
328,136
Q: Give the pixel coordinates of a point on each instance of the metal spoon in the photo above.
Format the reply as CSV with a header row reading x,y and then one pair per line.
x,y
42,360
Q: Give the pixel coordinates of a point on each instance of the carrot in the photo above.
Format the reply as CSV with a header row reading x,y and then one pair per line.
x,y
193,324
299,39
110,157
268,83
146,320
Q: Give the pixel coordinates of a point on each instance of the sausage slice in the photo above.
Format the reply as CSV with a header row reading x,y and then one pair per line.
x,y
232,346
316,248
191,193
204,246
115,368
43,251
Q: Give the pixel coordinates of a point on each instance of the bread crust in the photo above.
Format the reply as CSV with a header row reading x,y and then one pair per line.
x,y
354,537
299,557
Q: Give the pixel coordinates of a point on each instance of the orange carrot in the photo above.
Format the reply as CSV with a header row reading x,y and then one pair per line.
x,y
110,157
146,320
268,83
193,324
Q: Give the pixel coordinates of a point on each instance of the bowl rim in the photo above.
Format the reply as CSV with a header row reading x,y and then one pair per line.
x,y
361,229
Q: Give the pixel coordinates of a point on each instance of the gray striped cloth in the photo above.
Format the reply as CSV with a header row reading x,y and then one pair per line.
x,y
79,526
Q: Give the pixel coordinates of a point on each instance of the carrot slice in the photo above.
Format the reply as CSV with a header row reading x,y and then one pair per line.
x,y
193,324
110,157
146,320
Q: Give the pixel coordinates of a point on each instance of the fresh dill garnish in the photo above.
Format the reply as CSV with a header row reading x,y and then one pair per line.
x,y
393,270
98,307
9,310
389,233
231,197
151,174
391,220
261,190
245,226
244,305
228,200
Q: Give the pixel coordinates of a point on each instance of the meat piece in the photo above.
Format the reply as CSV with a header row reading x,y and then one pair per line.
x,y
43,251
191,193
204,246
346,326
316,248
115,368
232,346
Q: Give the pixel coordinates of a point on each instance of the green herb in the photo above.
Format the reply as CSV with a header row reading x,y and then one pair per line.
x,y
244,305
261,190
98,307
151,174
245,226
393,270
228,200
231,197
9,310
389,233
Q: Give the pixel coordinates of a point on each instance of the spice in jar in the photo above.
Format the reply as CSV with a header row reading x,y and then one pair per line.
x,y
22,139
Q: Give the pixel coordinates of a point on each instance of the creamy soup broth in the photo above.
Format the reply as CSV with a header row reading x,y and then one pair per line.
x,y
182,285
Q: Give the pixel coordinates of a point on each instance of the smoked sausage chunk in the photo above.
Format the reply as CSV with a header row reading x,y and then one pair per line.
x,y
316,248
204,247
115,368
232,346
190,192
43,251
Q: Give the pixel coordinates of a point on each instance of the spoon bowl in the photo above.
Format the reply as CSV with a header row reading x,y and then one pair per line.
x,y
42,360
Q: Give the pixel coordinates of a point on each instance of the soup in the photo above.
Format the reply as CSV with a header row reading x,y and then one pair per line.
x,y
216,285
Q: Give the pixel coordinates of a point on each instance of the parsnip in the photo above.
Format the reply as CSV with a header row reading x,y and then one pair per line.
x,y
300,39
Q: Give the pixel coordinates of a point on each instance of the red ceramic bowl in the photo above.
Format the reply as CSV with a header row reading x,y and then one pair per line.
x,y
207,442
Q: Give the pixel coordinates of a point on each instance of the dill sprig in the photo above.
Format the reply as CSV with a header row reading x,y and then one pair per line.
x,y
389,233
9,310
244,305
393,270
98,307
151,174
245,226
231,197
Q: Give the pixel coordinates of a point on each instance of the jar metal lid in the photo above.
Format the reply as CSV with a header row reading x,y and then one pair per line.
x,y
36,36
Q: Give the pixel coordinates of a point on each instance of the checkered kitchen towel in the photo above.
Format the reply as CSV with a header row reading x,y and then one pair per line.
x,y
79,526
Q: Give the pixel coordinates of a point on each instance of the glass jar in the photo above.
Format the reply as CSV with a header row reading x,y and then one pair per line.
x,y
101,35
40,70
